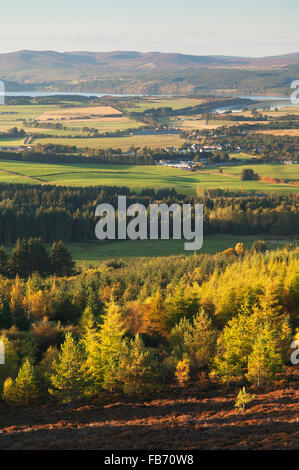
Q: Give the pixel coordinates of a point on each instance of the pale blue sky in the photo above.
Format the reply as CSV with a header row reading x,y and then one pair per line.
x,y
230,27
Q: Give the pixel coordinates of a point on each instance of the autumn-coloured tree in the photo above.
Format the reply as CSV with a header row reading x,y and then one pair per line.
x,y
182,371
138,367
155,314
181,303
11,357
92,351
243,399
16,304
264,361
194,339
234,348
239,249
24,389
69,378
111,335
36,305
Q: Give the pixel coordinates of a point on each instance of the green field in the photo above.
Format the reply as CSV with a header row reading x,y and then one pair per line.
x,y
11,142
136,176
174,103
290,172
24,111
92,253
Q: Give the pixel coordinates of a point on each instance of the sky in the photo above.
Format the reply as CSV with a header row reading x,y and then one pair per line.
x,y
220,27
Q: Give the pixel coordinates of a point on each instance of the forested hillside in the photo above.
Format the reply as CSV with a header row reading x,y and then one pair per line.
x,y
150,73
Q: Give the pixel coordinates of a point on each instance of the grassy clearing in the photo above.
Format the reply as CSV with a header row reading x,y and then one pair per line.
x,y
92,253
138,177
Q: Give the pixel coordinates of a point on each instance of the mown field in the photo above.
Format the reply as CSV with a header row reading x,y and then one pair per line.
x,y
138,177
203,124
124,143
291,132
187,123
78,112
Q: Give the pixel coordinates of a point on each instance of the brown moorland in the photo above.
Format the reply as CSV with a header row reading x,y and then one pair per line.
x,y
196,417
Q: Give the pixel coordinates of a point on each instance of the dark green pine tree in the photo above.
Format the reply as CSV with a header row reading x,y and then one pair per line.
x,y
19,262
8,221
41,223
3,261
92,301
6,320
61,259
39,257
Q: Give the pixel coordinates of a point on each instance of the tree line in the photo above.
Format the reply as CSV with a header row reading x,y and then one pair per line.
x,y
68,214
51,153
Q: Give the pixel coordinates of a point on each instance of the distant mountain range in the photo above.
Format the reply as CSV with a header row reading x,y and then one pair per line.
x,y
129,71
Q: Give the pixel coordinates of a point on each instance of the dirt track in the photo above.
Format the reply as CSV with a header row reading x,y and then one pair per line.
x,y
197,418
